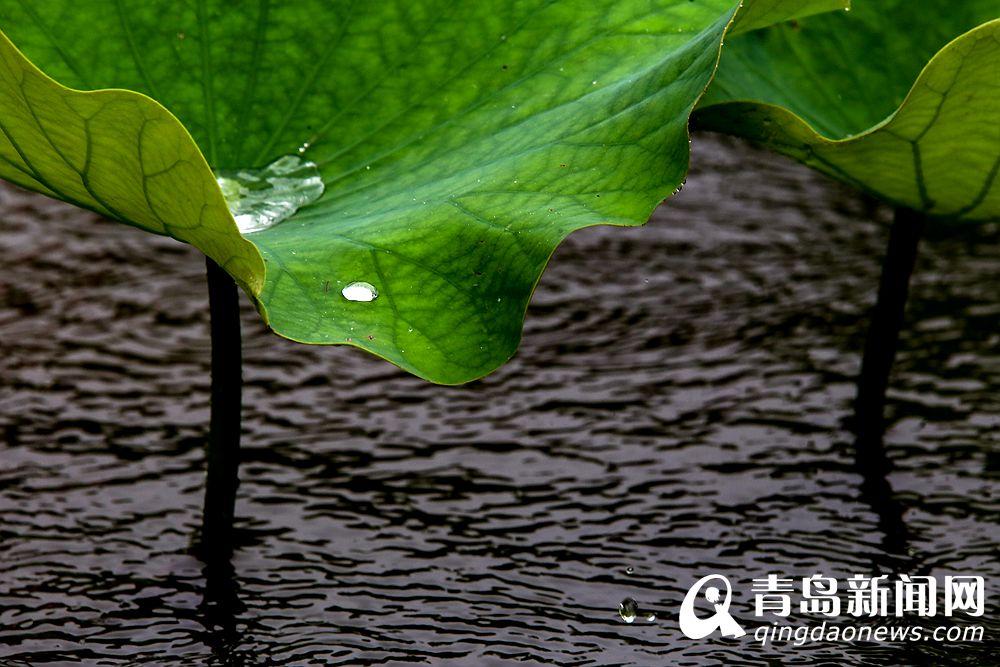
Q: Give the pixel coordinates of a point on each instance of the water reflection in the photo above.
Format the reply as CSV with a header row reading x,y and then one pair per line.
x,y
219,610
876,491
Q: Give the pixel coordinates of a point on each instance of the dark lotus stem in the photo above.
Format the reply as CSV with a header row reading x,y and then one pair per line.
x,y
222,451
886,322
873,382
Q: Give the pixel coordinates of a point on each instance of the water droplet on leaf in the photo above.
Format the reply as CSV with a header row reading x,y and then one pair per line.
x,y
261,198
360,291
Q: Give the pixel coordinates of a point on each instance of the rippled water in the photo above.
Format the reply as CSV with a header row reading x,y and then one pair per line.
x,y
676,408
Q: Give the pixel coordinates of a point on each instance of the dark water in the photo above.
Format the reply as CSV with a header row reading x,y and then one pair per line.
x,y
676,408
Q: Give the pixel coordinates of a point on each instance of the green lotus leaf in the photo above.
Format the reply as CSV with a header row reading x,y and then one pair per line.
x,y
896,98
399,172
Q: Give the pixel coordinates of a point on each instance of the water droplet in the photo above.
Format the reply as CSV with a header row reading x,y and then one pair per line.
x,y
650,616
360,291
628,610
261,198
629,570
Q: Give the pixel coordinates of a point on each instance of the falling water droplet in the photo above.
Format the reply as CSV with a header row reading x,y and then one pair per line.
x,y
261,198
628,610
360,291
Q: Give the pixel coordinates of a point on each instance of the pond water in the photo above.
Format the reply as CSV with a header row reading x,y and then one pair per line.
x,y
676,409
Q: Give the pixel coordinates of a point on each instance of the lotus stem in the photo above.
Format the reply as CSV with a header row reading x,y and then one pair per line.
x,y
883,332
873,381
222,450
